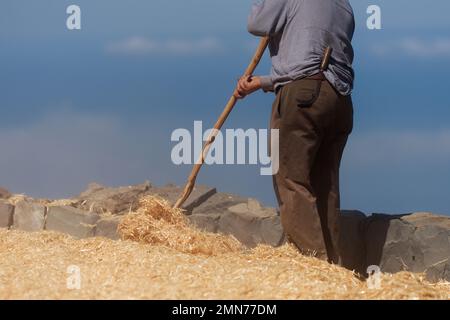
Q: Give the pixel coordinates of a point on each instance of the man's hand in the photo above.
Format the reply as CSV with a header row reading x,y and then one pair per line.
x,y
247,85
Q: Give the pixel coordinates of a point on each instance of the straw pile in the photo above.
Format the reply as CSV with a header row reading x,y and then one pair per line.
x,y
155,222
167,263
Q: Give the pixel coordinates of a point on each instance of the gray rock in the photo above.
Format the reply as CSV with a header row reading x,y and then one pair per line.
x,y
251,229
107,228
418,242
252,224
6,214
171,193
72,221
101,199
4,194
29,216
219,203
351,242
206,222
245,219
254,208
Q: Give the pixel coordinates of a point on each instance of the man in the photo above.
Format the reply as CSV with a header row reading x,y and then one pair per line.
x,y
313,111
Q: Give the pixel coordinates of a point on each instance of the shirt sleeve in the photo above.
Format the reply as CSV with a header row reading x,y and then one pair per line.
x,y
267,17
266,83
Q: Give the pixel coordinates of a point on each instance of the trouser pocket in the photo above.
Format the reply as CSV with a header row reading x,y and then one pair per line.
x,y
309,93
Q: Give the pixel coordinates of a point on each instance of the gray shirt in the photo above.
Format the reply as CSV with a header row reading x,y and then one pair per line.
x,y
299,31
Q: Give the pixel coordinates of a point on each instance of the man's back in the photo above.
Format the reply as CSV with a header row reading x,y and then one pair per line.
x,y
300,31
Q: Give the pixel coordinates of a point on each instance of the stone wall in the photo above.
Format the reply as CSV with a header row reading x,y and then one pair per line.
x,y
417,242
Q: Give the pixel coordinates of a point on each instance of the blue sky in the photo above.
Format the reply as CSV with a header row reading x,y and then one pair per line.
x,y
100,104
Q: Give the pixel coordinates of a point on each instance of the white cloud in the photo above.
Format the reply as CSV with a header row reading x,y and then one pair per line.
x,y
60,153
399,147
439,47
145,46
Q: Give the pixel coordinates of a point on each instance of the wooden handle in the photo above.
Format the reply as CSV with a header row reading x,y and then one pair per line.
x,y
223,117
326,59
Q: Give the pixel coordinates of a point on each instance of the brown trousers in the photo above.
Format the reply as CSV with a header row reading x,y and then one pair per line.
x,y
313,135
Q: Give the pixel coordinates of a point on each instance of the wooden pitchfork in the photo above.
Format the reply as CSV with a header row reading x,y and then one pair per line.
x,y
223,117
